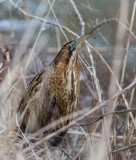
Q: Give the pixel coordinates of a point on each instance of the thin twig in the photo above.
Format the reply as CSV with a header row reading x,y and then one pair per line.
x,y
67,154
124,148
79,16
37,38
107,114
27,141
128,44
57,20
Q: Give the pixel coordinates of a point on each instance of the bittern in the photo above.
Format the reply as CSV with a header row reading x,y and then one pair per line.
x,y
53,93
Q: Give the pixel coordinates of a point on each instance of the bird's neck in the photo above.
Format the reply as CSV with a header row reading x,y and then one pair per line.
x,y
66,87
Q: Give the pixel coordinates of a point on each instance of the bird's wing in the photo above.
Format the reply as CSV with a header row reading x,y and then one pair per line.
x,y
47,111
28,98
31,91
37,100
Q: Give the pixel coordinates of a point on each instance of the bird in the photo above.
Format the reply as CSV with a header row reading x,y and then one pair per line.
x,y
53,93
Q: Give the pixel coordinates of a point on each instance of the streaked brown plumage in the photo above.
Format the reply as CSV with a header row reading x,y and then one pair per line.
x,y
53,93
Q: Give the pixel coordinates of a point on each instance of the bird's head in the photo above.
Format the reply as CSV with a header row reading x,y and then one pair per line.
x,y
69,52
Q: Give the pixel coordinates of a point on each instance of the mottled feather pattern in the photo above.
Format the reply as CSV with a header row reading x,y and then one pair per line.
x,y
51,95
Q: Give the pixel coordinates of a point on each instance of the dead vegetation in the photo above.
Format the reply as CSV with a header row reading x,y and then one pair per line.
x,y
104,126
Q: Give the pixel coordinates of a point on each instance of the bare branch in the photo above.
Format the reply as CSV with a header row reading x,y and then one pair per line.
x,y
124,149
79,16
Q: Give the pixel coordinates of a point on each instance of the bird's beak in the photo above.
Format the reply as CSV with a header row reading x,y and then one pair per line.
x,y
81,40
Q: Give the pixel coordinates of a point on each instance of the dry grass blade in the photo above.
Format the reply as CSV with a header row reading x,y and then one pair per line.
x,y
104,124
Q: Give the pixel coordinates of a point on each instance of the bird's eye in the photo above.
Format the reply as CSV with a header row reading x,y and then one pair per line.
x,y
72,45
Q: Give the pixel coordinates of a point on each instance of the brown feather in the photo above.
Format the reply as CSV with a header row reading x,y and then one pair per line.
x,y
51,95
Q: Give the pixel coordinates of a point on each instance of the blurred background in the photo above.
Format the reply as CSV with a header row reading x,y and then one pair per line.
x,y
31,34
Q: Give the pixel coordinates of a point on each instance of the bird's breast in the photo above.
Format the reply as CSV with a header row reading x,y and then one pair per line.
x,y
68,82
66,86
